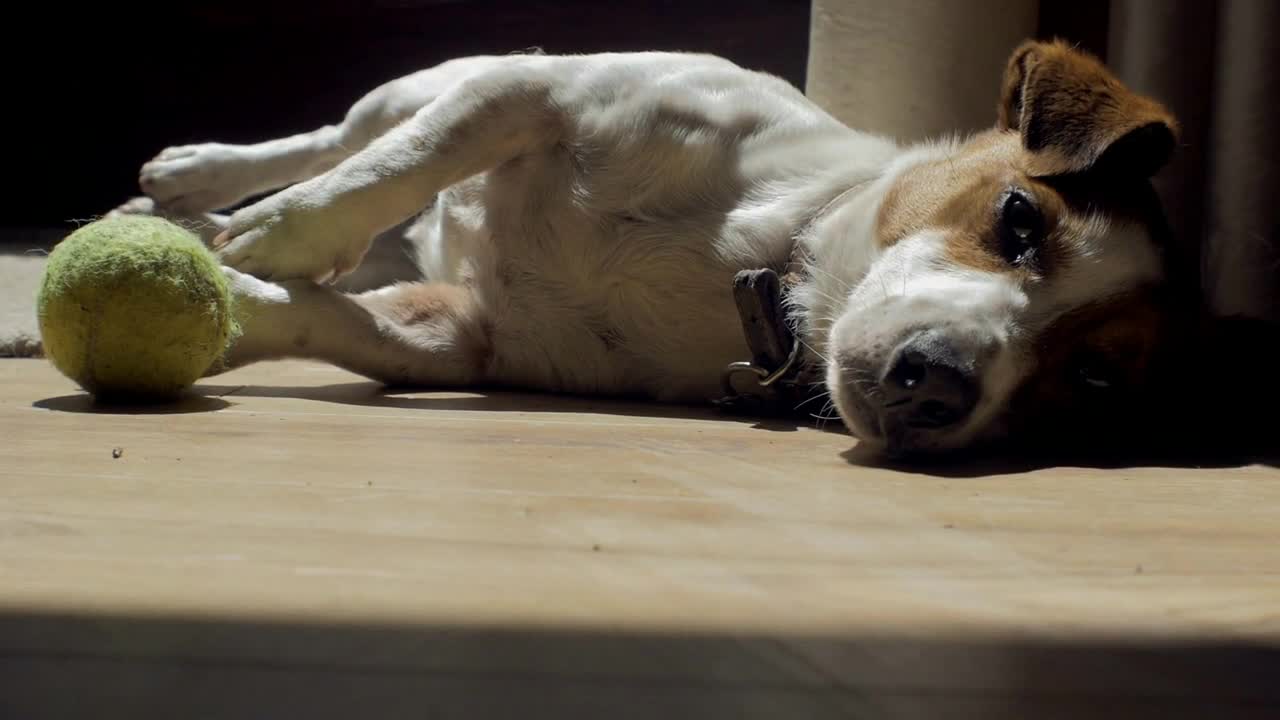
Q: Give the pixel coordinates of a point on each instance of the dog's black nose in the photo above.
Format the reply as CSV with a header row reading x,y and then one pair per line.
x,y
928,385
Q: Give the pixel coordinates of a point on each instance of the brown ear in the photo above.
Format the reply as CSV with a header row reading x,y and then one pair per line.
x,y
1074,115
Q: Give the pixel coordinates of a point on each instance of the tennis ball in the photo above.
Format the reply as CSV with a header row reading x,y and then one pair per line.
x,y
134,308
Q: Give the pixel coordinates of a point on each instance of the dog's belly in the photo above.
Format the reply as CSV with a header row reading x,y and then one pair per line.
x,y
586,301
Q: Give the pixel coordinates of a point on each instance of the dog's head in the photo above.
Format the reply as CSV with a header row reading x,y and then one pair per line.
x,y
1020,278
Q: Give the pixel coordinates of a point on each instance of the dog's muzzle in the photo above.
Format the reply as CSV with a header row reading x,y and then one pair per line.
x,y
927,386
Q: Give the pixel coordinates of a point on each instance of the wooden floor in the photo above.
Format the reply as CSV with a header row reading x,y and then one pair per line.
x,y
296,543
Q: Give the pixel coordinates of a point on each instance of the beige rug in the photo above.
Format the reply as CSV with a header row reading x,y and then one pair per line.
x,y
19,278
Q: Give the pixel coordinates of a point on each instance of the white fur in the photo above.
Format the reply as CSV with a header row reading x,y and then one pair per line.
x,y
914,287
595,208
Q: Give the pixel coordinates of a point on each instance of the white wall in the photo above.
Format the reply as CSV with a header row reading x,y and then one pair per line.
x,y
914,68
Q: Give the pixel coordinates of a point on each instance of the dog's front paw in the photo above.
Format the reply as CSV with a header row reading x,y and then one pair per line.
x,y
195,178
295,234
203,224
134,206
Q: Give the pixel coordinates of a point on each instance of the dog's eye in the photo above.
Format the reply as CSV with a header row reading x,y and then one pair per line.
x,y
1095,374
1021,228
1094,379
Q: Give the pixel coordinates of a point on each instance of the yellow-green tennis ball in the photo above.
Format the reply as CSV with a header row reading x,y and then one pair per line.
x,y
134,308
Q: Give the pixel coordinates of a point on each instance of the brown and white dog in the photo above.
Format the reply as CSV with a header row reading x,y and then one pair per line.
x,y
574,224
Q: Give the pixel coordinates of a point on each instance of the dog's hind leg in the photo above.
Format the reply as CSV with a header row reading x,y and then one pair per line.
x,y
322,228
405,334
198,178
192,179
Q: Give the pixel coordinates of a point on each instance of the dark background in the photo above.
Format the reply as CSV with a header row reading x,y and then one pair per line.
x,y
102,88
134,80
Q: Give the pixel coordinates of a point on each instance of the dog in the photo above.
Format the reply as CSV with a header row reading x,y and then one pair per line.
x,y
575,224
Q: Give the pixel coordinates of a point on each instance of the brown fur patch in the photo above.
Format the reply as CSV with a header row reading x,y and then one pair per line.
x,y
947,195
1121,336
1068,132
441,308
425,302
961,195
1071,111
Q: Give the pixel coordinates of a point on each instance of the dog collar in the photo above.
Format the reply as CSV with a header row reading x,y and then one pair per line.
x,y
779,371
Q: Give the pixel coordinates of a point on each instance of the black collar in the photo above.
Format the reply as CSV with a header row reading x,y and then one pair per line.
x,y
779,377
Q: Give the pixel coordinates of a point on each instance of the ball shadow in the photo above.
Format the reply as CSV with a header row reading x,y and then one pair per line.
x,y
86,403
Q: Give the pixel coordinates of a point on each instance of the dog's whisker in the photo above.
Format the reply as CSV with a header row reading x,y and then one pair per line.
x,y
802,403
827,296
824,415
846,285
809,347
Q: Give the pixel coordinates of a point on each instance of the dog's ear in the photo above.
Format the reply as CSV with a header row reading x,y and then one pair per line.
x,y
1075,116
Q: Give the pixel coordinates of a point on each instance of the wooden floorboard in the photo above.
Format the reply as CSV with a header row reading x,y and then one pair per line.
x,y
297,542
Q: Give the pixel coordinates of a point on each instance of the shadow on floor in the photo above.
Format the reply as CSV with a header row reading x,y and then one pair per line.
x,y
55,664
991,461
84,403
1014,461
371,394
995,461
